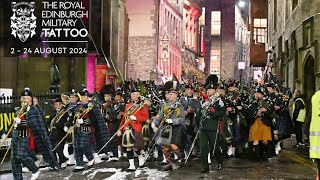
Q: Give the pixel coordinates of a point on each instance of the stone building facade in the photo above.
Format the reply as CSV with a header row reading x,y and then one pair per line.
x,y
221,47
242,42
143,29
153,23
294,37
191,37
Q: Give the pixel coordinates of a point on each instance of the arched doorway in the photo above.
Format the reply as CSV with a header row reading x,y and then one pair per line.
x,y
309,85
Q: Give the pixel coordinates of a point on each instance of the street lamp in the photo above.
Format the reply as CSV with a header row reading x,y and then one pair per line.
x,y
241,4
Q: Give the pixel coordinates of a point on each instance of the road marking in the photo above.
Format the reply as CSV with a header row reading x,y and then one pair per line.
x,y
299,159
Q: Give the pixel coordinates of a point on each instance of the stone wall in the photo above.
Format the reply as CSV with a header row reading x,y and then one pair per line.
x,y
142,52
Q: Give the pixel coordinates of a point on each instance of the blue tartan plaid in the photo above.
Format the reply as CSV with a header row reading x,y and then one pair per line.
x,y
82,146
34,122
235,133
101,130
21,155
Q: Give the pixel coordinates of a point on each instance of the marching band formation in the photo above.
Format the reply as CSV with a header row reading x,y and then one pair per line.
x,y
173,122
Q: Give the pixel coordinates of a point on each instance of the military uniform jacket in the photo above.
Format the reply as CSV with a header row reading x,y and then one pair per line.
x,y
275,101
96,120
266,117
60,123
211,113
111,114
194,104
174,111
141,113
177,116
71,114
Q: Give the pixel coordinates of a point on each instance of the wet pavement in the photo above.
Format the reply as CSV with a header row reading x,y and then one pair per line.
x,y
289,164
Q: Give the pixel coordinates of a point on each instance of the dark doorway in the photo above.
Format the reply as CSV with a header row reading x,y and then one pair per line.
x,y
309,84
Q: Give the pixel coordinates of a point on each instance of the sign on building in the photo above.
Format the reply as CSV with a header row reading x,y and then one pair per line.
x,y
165,48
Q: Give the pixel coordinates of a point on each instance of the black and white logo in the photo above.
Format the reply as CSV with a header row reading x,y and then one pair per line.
x,y
23,21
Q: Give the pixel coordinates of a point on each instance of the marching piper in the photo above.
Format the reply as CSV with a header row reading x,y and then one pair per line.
x,y
170,121
135,115
259,114
113,111
88,118
29,130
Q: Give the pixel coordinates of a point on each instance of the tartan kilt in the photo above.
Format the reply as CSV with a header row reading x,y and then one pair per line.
x,y
235,133
81,140
139,142
285,126
177,132
20,146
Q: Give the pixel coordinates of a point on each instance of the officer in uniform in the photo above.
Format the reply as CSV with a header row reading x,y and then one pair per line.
x,y
73,103
57,105
210,116
233,105
57,132
277,119
226,121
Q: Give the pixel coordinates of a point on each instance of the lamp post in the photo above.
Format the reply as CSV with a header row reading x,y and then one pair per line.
x,y
241,67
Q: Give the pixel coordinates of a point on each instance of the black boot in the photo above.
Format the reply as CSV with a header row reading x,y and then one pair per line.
x,y
257,152
271,150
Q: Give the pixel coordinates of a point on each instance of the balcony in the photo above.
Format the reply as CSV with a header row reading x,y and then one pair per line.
x,y
257,55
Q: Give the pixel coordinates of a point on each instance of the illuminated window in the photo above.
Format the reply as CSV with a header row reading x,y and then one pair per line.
x,y
215,62
260,30
262,23
215,22
260,35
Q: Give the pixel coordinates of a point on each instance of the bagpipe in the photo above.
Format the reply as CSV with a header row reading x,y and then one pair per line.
x,y
132,110
158,133
61,113
193,82
21,113
78,115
